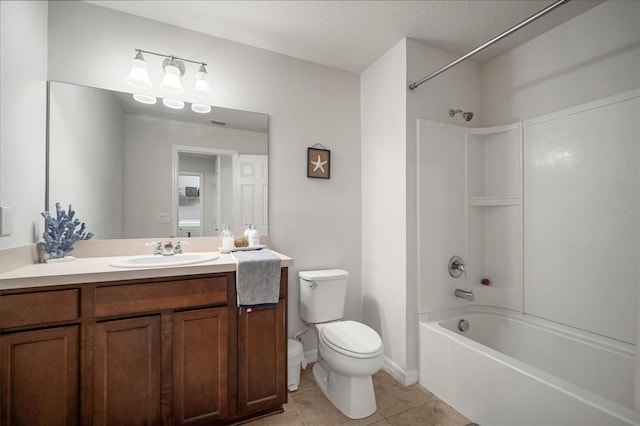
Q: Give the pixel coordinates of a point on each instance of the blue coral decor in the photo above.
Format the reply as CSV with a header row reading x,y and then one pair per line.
x,y
61,233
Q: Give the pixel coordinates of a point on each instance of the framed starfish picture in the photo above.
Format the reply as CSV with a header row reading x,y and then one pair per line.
x,y
318,163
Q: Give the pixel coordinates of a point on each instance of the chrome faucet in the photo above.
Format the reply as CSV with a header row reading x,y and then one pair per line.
x,y
168,249
157,250
464,294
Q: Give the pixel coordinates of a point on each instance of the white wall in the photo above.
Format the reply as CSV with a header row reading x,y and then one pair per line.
x,y
23,106
383,114
388,115
315,221
595,55
86,157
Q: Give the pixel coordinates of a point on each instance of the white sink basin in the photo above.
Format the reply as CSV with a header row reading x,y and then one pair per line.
x,y
150,261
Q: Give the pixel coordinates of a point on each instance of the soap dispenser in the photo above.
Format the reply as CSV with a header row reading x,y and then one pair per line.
x,y
227,238
253,236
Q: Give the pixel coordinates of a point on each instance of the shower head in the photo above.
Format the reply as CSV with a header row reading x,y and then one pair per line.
x,y
466,115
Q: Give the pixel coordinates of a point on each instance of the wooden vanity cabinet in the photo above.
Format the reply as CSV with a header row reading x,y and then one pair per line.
x,y
200,366
127,369
262,372
161,351
39,366
39,376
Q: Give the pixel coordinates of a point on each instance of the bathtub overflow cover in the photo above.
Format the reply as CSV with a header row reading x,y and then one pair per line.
x,y
463,325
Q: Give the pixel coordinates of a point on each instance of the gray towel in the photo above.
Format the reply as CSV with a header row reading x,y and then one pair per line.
x,y
257,278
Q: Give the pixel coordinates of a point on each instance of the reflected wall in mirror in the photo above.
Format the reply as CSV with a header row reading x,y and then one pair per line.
x,y
118,162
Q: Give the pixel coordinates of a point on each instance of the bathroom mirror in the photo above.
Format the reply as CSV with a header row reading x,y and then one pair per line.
x,y
118,161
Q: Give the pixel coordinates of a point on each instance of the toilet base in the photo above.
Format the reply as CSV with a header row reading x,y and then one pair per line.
x,y
354,396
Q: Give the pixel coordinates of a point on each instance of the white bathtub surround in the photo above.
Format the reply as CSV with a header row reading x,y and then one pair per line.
x,y
476,174
582,209
515,369
578,194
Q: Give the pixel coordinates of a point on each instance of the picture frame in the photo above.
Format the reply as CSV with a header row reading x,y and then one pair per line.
x,y
318,163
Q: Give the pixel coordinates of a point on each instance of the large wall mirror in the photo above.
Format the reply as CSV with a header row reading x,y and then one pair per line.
x,y
133,170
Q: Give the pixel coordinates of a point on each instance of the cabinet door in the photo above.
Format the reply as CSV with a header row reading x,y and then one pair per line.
x,y
261,359
200,382
40,377
127,363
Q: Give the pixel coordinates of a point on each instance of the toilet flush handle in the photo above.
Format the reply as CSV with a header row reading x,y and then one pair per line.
x,y
313,284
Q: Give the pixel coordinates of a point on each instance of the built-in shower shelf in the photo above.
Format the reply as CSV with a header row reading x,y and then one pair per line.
x,y
494,201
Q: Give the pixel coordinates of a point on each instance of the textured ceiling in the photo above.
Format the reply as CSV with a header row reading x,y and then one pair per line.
x,y
351,35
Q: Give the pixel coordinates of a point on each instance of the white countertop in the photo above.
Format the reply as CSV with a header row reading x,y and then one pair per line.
x,y
97,269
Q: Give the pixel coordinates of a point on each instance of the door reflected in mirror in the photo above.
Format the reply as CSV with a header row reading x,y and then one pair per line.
x,y
190,204
116,161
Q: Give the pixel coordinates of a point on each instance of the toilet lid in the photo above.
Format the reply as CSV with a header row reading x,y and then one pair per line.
x,y
351,338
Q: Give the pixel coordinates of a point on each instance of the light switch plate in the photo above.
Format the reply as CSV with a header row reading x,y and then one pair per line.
x,y
6,221
163,217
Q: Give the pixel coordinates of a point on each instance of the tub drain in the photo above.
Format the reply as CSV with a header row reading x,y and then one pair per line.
x,y
463,325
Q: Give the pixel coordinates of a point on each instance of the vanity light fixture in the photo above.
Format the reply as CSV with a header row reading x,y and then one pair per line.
x,y
173,103
202,86
145,99
174,69
138,75
201,108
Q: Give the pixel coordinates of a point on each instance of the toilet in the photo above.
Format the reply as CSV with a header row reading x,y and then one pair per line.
x,y
349,352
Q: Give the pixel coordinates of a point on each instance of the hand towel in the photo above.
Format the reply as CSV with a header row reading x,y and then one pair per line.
x,y
257,278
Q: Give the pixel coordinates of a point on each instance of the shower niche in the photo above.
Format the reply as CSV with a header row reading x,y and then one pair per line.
x,y
494,214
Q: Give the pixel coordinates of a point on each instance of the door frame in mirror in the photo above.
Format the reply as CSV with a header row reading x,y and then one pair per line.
x,y
175,171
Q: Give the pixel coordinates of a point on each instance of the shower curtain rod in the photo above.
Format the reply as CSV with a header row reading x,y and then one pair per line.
x,y
515,28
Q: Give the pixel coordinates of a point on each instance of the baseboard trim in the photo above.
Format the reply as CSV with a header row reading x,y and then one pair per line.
x,y
406,378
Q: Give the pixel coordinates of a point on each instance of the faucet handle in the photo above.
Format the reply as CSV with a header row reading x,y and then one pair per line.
x,y
158,246
456,267
177,247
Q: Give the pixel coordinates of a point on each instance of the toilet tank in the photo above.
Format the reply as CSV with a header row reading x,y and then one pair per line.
x,y
322,295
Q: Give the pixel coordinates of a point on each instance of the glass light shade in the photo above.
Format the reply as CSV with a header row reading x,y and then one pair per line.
x,y
145,99
173,103
171,81
202,86
200,108
138,75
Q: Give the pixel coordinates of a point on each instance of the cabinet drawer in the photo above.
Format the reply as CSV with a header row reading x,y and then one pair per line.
x,y
21,310
134,298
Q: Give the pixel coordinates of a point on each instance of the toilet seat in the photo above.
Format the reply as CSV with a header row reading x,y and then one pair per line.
x,y
352,339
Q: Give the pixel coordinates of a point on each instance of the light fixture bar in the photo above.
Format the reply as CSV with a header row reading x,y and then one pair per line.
x,y
174,70
170,56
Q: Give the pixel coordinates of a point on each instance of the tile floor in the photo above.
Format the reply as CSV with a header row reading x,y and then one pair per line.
x,y
397,405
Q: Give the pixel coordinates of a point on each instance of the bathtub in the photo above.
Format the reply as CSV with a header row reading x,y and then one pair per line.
x,y
512,369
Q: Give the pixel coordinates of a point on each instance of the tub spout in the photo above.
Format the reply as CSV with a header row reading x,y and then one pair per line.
x,y
464,294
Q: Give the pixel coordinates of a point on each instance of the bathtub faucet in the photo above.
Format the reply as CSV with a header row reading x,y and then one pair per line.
x,y
464,294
